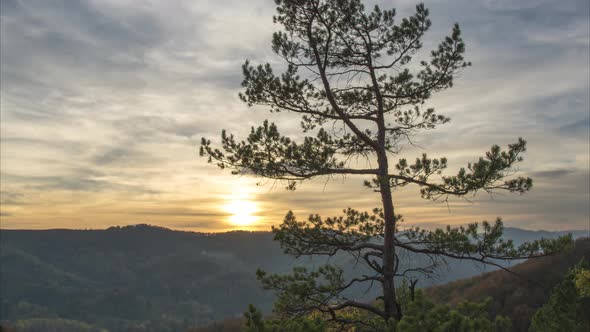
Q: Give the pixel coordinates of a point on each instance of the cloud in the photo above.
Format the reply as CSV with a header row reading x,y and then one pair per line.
x,y
107,100
123,156
11,198
580,129
553,174
183,213
79,182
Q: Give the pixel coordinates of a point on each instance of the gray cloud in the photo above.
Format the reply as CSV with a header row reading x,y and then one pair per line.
x,y
580,128
113,96
123,156
553,174
79,182
183,213
11,198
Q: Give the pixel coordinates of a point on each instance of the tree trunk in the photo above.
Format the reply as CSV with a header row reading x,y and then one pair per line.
x,y
413,289
392,308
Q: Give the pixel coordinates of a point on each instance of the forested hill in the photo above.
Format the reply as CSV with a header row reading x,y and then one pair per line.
x,y
123,277
517,295
145,278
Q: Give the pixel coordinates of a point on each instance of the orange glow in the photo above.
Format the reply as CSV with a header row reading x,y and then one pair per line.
x,y
242,212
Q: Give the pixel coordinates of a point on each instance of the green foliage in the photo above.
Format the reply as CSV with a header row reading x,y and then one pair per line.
x,y
582,280
485,174
254,320
351,230
422,315
568,306
303,289
255,323
520,294
486,241
267,153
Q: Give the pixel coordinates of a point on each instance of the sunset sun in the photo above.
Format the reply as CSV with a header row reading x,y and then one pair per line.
x,y
242,212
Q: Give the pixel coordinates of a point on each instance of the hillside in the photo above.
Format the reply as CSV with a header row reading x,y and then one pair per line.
x,y
145,278
516,296
119,277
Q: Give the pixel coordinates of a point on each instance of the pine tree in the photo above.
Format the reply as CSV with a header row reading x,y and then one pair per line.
x,y
351,78
568,306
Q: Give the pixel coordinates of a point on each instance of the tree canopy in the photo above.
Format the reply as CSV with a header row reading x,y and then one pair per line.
x,y
353,76
568,306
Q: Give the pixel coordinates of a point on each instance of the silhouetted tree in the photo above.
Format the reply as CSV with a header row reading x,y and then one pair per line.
x,y
349,76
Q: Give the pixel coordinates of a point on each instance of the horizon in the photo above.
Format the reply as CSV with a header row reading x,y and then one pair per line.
x,y
241,230
103,104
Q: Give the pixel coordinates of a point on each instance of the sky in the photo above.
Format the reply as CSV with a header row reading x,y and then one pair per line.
x,y
103,105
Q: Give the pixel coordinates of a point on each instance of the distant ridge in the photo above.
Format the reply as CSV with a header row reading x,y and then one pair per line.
x,y
530,235
512,231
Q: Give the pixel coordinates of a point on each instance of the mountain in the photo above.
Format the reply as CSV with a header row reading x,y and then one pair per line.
x,y
118,277
146,278
519,235
517,295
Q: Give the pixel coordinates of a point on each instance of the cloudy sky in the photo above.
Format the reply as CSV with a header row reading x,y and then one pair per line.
x,y
103,104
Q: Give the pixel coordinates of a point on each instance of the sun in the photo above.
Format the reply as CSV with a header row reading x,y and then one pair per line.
x,y
243,212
